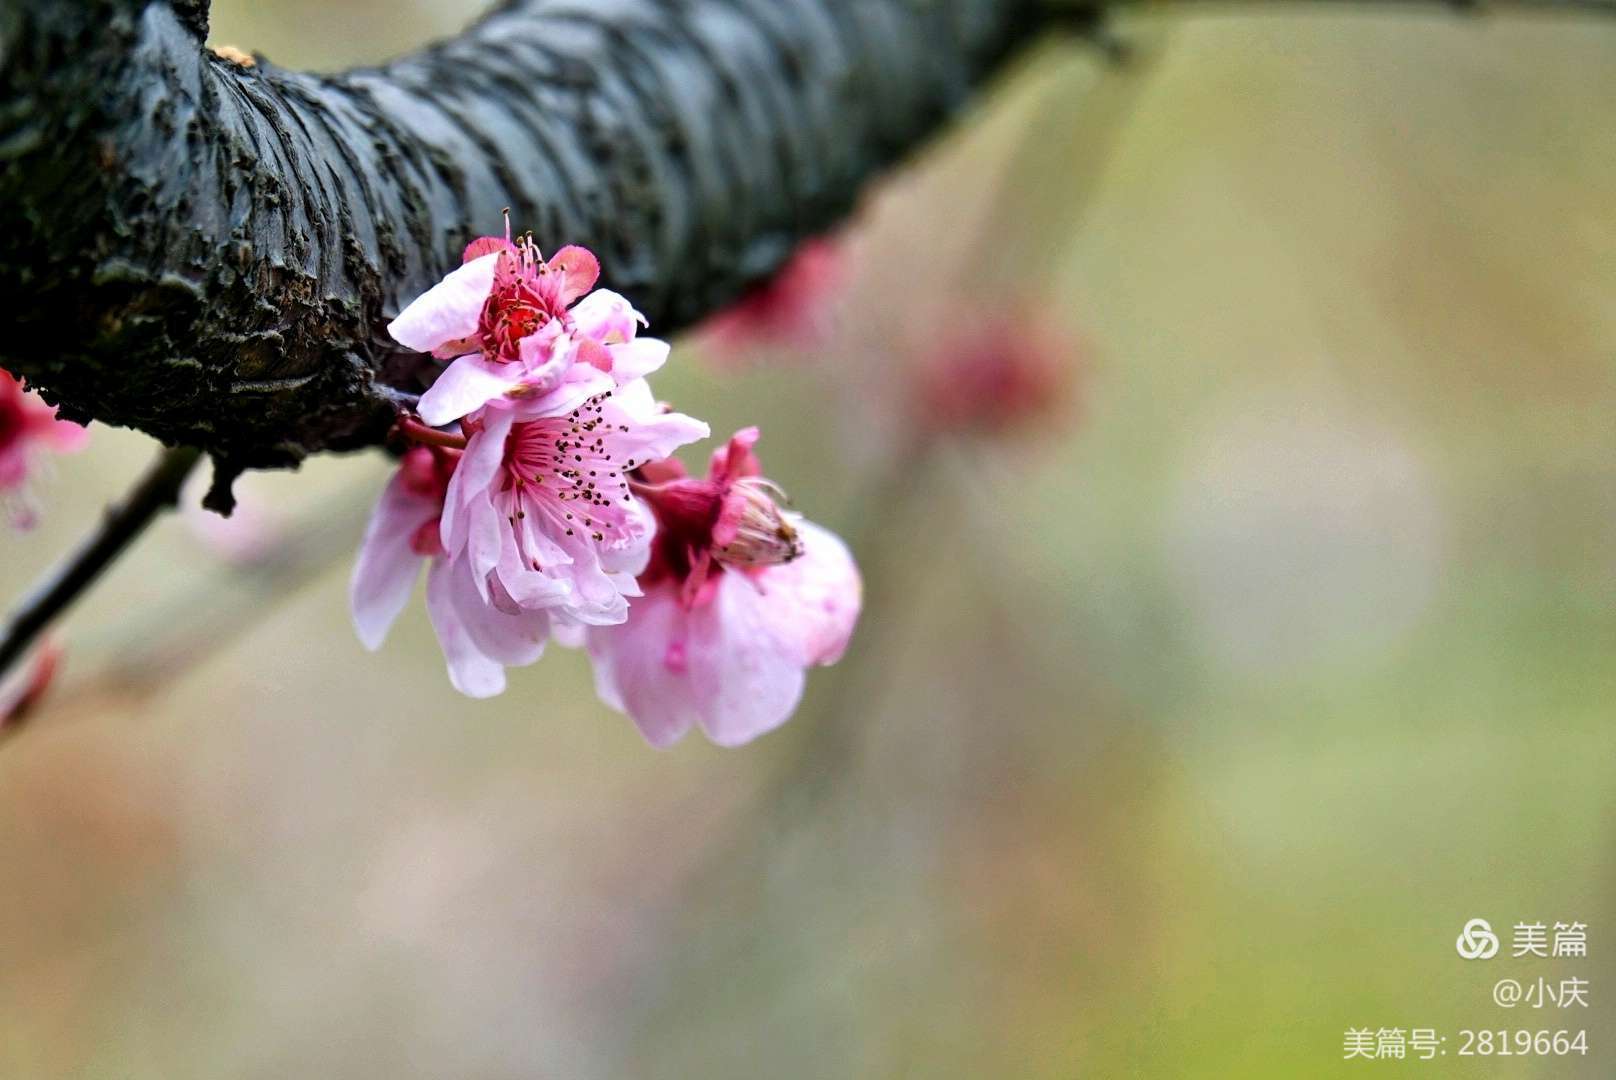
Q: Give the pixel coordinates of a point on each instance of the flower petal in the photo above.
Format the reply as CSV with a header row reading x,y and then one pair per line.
x,y
470,672
580,270
545,358
485,245
641,668
472,477
746,669
64,436
606,317
448,310
527,588
465,386
736,458
580,383
815,597
638,358
385,573
513,640
652,434
484,539
634,552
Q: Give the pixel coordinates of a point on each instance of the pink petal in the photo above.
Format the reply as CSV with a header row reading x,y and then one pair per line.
x,y
448,310
746,670
571,635
735,458
13,465
484,540
470,672
606,317
537,543
595,598
640,668
652,434
465,386
638,358
473,477
527,588
580,270
594,354
632,557
580,383
486,245
65,437
544,360
815,598
385,573
659,438
513,640
458,347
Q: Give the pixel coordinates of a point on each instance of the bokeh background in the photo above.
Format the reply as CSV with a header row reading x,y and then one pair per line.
x,y
1189,719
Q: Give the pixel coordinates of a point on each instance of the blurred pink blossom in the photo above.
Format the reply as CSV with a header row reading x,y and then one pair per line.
x,y
21,691
253,533
739,599
27,427
791,310
995,376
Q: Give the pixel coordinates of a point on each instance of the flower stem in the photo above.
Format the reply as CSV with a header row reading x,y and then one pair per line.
x,y
156,491
417,432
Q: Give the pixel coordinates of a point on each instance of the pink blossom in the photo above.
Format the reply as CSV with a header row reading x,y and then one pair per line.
x,y
994,376
28,426
541,499
518,327
739,600
480,636
255,531
529,528
790,310
22,690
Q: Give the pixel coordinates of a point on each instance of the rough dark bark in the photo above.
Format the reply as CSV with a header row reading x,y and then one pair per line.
x,y
209,252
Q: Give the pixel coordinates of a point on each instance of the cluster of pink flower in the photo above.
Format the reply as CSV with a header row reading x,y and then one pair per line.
x,y
556,511
27,426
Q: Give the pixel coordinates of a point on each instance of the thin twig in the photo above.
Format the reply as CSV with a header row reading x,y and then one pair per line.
x,y
157,490
182,633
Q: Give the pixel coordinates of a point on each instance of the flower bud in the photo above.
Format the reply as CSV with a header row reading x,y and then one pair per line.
x,y
752,530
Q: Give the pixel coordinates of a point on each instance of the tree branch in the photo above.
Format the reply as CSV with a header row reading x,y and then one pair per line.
x,y
209,251
158,489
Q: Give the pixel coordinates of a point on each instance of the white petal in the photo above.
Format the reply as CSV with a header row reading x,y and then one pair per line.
x,y
465,386
746,669
385,573
472,478
448,310
606,317
579,383
640,668
816,597
638,358
471,673
512,640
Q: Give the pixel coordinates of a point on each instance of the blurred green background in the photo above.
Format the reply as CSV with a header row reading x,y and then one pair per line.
x,y
1180,735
